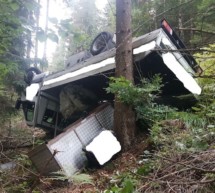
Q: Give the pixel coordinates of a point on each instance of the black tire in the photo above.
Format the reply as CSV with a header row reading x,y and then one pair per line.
x,y
33,69
30,74
100,43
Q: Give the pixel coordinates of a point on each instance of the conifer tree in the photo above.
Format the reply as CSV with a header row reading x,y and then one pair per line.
x,y
124,117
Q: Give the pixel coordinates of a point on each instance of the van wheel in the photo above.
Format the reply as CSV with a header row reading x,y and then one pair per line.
x,y
30,74
100,43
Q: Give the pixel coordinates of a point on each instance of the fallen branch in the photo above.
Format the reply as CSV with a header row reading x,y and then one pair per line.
x,y
205,76
186,165
184,172
11,143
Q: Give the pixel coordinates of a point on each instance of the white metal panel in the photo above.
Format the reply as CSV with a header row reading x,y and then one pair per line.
x,y
166,41
82,71
105,117
88,129
144,48
69,145
92,126
69,155
187,80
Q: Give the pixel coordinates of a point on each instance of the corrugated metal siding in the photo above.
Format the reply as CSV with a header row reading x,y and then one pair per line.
x,y
70,157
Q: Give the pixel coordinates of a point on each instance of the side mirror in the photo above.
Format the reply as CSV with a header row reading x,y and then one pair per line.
x,y
30,73
18,104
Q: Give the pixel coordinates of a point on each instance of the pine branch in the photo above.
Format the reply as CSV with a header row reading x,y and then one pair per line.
x,y
196,30
205,76
160,14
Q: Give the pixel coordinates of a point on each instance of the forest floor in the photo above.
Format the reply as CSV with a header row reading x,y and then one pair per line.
x,y
104,177
24,176
143,168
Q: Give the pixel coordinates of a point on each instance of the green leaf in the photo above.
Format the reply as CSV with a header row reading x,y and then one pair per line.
x,y
210,114
77,178
53,20
211,126
82,179
14,6
41,36
145,170
65,21
63,33
196,109
128,187
53,37
32,5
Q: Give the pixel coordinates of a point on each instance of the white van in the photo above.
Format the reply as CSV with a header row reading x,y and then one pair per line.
x,y
87,75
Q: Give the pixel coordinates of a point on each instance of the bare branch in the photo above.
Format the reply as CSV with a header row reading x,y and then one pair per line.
x,y
196,30
186,165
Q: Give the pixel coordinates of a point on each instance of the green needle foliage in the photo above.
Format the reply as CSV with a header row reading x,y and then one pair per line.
x,y
141,97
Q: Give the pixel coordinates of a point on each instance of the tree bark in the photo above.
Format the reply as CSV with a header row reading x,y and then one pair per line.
x,y
46,31
124,116
37,15
180,23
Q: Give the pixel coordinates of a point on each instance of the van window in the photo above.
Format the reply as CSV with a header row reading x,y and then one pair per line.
x,y
50,116
28,108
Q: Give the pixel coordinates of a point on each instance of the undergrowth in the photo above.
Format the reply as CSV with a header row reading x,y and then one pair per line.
x,y
141,98
183,140
180,159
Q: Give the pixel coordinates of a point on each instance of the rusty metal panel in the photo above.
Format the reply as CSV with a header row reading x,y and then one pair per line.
x,y
43,160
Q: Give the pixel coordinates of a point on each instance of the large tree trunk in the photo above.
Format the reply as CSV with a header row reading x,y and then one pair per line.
x,y
180,23
124,116
37,15
46,32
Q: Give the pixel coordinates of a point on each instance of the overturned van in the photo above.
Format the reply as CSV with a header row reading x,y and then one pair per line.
x,y
54,101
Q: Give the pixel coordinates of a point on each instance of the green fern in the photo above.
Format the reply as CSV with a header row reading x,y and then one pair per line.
x,y
77,178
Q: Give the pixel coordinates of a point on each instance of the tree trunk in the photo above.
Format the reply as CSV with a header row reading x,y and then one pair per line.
x,y
29,44
124,116
180,23
46,32
37,15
